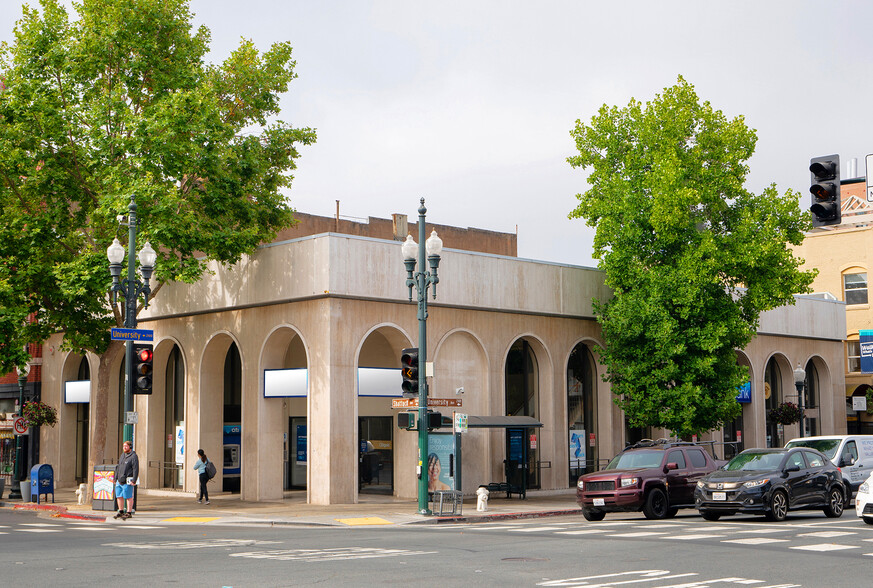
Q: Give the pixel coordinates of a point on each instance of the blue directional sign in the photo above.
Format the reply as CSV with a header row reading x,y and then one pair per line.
x,y
119,334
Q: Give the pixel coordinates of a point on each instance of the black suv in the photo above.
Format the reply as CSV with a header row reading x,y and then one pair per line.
x,y
657,477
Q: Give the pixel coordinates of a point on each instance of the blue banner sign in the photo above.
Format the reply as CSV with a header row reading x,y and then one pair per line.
x,y
745,392
131,334
866,337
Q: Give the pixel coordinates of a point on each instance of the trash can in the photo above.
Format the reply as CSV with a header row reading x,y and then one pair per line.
x,y
42,481
103,497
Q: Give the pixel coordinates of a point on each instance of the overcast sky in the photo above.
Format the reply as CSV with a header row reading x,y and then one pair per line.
x,y
470,103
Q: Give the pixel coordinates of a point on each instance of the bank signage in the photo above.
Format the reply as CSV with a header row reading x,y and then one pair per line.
x,y
866,337
745,393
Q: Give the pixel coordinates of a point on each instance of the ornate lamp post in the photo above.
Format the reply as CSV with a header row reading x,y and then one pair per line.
x,y
421,281
799,383
15,491
131,289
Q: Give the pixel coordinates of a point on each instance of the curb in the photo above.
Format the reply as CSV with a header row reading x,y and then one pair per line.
x,y
59,512
498,517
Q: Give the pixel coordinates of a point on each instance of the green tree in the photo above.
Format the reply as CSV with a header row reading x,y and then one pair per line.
x,y
692,257
120,101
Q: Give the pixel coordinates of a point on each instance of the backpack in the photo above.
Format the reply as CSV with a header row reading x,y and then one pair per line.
x,y
210,469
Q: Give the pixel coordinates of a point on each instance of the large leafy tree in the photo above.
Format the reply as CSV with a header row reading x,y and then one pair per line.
x,y
121,101
692,256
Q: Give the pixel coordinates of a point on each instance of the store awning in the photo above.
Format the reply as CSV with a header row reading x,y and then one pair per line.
x,y
501,422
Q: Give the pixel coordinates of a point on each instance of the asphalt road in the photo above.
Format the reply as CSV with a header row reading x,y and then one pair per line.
x,y
807,550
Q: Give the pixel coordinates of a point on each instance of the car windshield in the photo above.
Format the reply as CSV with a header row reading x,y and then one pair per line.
x,y
636,459
755,462
827,446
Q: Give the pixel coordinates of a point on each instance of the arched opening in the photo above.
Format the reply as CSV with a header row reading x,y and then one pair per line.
x,y
378,380
858,422
232,419
773,398
83,413
522,399
811,400
581,412
174,419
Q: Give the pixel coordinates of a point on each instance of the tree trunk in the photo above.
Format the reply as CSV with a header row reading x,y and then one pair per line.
x,y
100,414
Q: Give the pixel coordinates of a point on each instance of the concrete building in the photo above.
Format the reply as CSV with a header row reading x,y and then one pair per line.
x,y
331,311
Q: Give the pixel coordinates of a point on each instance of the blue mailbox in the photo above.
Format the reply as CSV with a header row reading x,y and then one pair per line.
x,y
42,481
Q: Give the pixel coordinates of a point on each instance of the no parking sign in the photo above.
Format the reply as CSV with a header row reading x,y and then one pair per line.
x,y
19,426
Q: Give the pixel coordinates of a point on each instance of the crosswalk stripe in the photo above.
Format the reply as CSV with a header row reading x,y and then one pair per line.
x,y
692,537
824,547
755,541
582,532
534,529
639,534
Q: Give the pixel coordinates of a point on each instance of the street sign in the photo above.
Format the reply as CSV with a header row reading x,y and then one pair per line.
x,y
119,334
131,418
431,402
19,426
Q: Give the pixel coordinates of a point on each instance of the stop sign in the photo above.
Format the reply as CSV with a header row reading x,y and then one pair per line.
x,y
19,426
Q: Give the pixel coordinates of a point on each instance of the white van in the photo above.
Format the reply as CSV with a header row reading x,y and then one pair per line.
x,y
853,454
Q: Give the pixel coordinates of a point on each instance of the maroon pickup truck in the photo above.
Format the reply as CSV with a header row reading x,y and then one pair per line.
x,y
657,477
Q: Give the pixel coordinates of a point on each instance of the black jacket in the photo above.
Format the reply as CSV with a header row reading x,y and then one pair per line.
x,y
128,467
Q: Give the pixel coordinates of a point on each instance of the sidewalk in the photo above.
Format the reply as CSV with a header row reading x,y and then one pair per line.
x,y
168,507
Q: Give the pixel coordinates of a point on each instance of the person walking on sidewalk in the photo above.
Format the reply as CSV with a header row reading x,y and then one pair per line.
x,y
126,475
200,466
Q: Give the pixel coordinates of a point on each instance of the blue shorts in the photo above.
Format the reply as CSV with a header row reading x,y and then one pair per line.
x,y
124,490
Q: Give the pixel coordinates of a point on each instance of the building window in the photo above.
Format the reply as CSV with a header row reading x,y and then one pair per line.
x,y
853,352
855,287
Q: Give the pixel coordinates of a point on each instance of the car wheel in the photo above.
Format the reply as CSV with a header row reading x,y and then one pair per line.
x,y
593,515
834,507
709,515
671,512
778,506
868,520
656,506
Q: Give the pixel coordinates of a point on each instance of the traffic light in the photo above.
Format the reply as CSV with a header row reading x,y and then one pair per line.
x,y
825,189
409,371
142,368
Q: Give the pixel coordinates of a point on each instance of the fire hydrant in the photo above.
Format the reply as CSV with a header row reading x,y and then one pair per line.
x,y
482,499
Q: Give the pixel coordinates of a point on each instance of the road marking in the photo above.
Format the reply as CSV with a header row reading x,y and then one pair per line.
x,y
205,543
691,537
827,534
364,521
583,532
95,529
824,547
534,529
40,525
761,531
40,530
140,527
339,553
755,541
664,526
639,534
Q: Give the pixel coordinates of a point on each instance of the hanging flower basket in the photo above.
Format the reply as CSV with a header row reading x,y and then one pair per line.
x,y
786,413
38,413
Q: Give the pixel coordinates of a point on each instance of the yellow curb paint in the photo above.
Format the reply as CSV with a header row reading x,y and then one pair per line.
x,y
190,519
365,521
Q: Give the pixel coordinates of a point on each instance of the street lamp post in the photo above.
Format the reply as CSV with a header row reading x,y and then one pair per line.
x,y
131,289
15,491
422,280
799,383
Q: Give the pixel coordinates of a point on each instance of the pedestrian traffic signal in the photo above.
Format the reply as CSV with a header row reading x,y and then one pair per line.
x,y
142,368
406,420
825,190
434,420
409,371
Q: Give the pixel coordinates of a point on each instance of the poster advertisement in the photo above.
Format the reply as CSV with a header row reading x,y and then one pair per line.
x,y
577,448
180,452
440,462
104,484
301,443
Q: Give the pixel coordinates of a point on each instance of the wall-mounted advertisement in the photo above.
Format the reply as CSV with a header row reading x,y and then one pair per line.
x,y
441,462
77,392
286,383
379,382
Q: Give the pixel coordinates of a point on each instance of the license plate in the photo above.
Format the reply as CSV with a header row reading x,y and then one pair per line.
x,y
599,502
719,495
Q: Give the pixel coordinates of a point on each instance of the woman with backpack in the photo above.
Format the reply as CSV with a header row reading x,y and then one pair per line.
x,y
200,466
